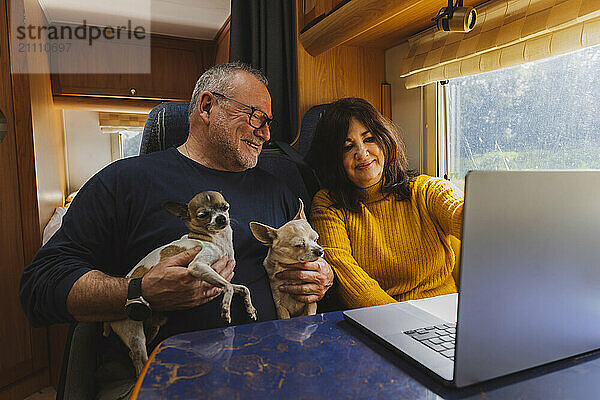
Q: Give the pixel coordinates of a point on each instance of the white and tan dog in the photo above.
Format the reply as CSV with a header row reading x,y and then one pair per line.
x,y
294,242
207,218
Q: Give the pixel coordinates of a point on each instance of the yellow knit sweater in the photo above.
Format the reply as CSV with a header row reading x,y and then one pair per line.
x,y
392,250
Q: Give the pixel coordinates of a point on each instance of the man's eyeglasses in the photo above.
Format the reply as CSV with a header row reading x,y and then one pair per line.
x,y
257,118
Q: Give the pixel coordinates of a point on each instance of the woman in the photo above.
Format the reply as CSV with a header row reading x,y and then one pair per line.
x,y
384,229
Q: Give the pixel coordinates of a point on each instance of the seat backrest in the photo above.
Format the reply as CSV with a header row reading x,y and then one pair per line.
x,y
79,363
168,125
308,126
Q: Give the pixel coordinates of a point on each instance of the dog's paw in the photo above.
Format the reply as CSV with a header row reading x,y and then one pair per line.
x,y
225,314
253,313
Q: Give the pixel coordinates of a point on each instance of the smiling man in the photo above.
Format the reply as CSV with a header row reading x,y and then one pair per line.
x,y
229,126
117,218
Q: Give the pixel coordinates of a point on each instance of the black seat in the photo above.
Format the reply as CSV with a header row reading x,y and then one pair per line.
x,y
308,126
80,362
167,126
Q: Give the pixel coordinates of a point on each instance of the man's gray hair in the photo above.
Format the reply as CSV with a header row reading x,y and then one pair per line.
x,y
219,79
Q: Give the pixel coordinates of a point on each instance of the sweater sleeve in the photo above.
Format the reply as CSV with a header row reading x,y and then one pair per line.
x,y
86,232
444,203
356,288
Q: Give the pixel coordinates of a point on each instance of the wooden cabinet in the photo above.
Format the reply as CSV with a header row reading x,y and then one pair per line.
x,y
176,64
24,351
312,11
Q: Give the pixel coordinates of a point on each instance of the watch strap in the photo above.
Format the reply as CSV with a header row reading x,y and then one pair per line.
x,y
134,289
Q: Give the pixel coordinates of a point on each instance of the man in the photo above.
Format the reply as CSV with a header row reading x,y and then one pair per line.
x,y
116,219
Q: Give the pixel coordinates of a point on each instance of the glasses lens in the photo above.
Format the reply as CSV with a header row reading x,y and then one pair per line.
x,y
258,119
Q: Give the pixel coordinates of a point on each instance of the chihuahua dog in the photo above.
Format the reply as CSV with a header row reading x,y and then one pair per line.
x,y
294,242
207,218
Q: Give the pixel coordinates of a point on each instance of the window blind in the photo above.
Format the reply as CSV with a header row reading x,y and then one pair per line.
x,y
507,33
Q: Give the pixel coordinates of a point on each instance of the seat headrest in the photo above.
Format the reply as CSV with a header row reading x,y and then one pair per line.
x,y
167,126
308,126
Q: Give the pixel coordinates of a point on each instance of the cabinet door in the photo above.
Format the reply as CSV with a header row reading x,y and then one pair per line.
x,y
126,54
176,64
20,352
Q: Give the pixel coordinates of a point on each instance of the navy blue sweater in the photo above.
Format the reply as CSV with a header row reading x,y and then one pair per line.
x,y
116,219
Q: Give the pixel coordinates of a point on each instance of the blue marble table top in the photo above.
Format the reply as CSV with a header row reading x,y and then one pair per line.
x,y
324,357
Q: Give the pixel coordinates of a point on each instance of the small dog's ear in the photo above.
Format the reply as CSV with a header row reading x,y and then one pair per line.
x,y
179,210
263,233
300,214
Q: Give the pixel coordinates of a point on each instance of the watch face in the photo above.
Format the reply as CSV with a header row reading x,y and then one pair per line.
x,y
137,311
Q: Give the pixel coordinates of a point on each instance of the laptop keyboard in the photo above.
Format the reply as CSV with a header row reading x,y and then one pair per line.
x,y
440,338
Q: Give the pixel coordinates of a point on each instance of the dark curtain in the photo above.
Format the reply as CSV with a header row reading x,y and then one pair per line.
x,y
263,34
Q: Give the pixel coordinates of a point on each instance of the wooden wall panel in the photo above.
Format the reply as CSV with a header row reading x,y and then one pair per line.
x,y
47,130
343,71
27,356
50,168
340,72
222,39
14,358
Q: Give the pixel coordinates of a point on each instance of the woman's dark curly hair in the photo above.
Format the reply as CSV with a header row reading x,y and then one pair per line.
x,y
326,153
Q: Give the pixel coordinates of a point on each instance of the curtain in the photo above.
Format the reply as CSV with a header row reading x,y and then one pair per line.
x,y
508,33
263,34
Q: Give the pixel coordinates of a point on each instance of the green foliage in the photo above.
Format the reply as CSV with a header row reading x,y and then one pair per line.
x,y
540,115
131,142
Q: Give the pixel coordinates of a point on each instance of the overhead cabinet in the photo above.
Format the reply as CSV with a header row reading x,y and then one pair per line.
x,y
176,64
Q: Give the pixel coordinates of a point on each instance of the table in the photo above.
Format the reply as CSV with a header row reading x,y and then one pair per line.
x,y
324,357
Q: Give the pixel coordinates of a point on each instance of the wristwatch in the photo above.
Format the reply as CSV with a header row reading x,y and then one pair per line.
x,y
136,307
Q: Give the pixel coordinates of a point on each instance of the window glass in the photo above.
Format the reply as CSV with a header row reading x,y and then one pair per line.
x,y
540,115
130,142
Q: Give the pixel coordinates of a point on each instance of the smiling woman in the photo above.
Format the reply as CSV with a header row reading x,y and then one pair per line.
x,y
363,159
385,231
350,135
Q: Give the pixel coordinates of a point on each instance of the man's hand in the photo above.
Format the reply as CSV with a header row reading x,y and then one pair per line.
x,y
170,286
310,280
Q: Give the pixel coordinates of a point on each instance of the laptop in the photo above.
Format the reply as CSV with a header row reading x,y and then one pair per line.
x,y
529,281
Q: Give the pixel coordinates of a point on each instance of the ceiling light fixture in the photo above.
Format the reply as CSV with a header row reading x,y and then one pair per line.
x,y
456,18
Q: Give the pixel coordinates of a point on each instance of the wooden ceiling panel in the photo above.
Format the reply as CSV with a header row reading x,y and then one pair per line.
x,y
368,23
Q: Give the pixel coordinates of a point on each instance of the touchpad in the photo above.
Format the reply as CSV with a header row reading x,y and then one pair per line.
x,y
392,318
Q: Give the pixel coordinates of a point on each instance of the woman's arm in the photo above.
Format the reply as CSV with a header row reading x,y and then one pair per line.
x,y
356,287
445,204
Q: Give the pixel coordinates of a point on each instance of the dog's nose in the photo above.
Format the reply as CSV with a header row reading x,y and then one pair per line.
x,y
221,220
318,252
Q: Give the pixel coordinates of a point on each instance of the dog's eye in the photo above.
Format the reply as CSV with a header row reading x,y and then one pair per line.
x,y
203,214
299,245
225,207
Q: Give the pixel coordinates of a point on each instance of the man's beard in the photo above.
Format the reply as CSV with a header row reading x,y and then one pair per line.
x,y
229,149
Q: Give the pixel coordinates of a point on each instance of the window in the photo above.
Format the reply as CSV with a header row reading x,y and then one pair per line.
x,y
130,142
125,142
125,131
540,115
